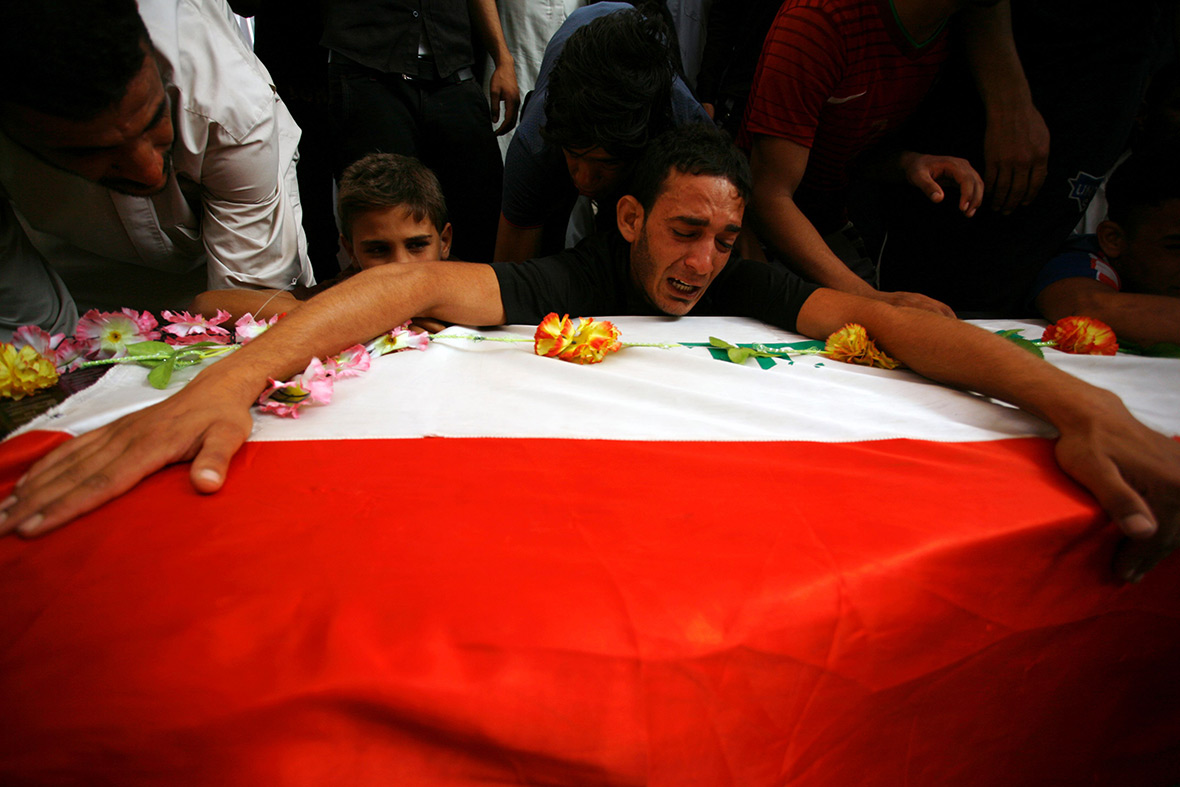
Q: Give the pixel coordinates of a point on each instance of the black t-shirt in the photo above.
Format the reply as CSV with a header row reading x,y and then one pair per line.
x,y
593,279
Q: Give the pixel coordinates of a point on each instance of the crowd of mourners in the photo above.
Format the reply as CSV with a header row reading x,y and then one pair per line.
x,y
950,155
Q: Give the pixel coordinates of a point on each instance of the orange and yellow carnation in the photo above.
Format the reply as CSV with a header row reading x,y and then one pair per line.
x,y
24,372
553,335
1082,336
851,344
589,341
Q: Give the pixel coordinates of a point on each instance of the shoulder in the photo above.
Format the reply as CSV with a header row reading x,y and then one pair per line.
x,y
216,77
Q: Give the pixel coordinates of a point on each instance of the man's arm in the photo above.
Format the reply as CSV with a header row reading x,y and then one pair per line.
x,y
1133,471
778,166
1145,319
516,244
503,87
1016,140
209,419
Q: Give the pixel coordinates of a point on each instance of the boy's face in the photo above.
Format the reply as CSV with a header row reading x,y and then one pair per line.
x,y
392,234
1148,258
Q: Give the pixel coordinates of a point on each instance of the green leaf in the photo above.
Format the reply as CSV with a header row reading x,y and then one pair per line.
x,y
160,375
1015,337
148,348
713,340
1008,333
739,354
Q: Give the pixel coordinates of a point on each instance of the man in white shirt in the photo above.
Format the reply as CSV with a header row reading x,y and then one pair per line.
x,y
144,157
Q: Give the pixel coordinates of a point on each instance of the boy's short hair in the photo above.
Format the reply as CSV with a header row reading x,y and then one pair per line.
x,y
611,86
1145,180
386,180
70,58
694,149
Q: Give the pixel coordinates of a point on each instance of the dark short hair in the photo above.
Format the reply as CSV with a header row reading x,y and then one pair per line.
x,y
386,180
611,86
1145,180
694,149
70,58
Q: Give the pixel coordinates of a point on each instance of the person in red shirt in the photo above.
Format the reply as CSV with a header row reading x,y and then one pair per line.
x,y
835,77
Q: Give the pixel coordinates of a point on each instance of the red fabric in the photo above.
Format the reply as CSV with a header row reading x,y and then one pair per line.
x,y
446,611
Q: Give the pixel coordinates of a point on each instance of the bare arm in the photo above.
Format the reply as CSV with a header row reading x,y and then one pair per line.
x,y
263,304
1016,140
516,244
1145,319
1133,471
209,419
778,166
503,87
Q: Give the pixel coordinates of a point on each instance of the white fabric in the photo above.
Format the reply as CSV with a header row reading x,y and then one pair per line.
x,y
229,217
460,388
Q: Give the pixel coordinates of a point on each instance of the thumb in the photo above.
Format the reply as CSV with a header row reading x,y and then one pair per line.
x,y
211,464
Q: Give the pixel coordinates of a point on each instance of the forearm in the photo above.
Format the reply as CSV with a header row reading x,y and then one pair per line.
x,y
991,52
358,309
486,21
516,244
1144,319
781,225
961,355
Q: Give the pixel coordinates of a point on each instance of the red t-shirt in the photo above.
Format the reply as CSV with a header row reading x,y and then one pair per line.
x,y
834,76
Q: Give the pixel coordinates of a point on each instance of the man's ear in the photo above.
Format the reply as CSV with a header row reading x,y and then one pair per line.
x,y
1111,239
444,242
629,215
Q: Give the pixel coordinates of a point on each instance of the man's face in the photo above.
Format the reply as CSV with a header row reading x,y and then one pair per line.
x,y
1150,256
595,172
126,148
385,235
685,240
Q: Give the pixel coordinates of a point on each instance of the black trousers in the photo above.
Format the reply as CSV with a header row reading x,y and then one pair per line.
x,y
444,124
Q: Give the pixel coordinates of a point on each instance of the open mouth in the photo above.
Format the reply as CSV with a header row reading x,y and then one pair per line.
x,y
684,288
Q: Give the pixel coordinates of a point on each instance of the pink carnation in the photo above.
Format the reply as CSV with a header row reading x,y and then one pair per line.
x,y
247,328
313,386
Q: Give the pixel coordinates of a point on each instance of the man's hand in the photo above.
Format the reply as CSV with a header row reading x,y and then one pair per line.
x,y
915,300
1134,473
200,423
1016,156
925,172
503,89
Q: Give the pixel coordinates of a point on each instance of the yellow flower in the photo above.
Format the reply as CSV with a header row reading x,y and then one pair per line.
x,y
587,342
851,344
24,372
1082,336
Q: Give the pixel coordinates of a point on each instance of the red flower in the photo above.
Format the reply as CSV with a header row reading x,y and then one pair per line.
x,y
1082,336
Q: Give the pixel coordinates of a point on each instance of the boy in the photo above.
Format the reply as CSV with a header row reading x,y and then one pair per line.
x,y
391,210
1127,274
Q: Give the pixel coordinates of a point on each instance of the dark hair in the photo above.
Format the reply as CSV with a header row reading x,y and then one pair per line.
x,y
386,180
695,149
611,86
70,58
1145,180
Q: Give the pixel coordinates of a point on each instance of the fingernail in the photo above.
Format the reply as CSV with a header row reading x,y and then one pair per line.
x,y
8,503
209,475
1138,526
31,525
